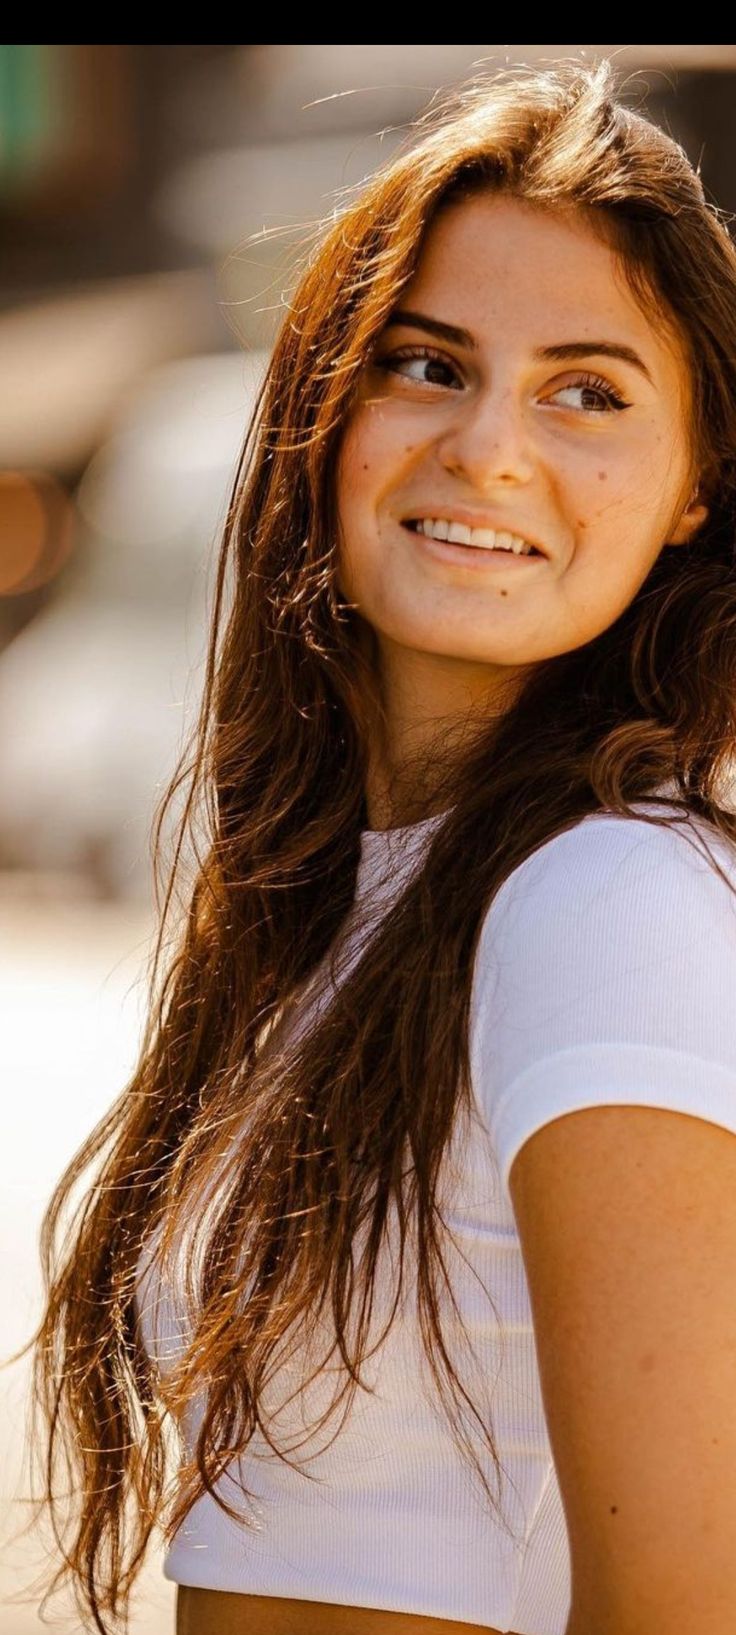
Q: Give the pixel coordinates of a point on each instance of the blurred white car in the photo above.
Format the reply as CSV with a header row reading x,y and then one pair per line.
x,y
98,692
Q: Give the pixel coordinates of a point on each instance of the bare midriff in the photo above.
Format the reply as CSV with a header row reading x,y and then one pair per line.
x,y
224,1612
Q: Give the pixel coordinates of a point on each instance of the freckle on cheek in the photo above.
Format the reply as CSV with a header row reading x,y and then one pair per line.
x,y
602,475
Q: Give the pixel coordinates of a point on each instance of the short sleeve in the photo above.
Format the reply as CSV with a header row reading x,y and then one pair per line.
x,y
605,973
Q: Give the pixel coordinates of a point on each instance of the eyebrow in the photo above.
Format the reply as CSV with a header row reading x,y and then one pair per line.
x,y
559,352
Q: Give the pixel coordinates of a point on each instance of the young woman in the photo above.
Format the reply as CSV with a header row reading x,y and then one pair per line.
x,y
404,1293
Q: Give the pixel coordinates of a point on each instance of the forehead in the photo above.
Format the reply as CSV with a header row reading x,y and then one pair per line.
x,y
509,270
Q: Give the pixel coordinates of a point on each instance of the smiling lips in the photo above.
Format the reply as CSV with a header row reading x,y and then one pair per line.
x,y
487,539
457,541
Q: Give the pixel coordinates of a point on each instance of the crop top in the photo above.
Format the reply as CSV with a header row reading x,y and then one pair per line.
x,y
605,972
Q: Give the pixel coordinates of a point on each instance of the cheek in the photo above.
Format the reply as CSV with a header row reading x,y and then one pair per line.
x,y
364,446
354,482
378,450
642,473
363,477
357,483
609,499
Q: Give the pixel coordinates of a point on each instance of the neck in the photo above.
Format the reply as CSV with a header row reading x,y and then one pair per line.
x,y
432,707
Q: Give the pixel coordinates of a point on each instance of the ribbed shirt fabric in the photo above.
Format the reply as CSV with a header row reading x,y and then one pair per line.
x,y
605,973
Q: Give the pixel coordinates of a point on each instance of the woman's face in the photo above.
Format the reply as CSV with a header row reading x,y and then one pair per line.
x,y
518,388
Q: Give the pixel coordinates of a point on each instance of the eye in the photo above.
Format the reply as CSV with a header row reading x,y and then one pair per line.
x,y
437,366
594,385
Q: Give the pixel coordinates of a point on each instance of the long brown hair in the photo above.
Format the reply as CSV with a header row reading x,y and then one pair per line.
x,y
351,1130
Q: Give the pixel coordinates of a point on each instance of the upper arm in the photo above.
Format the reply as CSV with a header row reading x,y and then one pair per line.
x,y
627,1221
605,1058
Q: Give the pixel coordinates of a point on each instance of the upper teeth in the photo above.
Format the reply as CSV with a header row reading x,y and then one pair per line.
x,y
488,538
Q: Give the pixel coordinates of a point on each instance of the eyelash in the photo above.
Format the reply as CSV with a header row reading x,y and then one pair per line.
x,y
594,382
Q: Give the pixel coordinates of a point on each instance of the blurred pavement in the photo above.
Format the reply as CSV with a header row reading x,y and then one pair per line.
x,y
71,997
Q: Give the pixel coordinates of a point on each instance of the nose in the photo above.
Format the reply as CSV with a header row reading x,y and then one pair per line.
x,y
488,442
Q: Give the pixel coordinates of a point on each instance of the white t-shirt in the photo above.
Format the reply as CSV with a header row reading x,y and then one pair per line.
x,y
605,973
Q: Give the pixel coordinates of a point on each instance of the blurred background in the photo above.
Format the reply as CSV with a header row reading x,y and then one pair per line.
x,y
151,197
